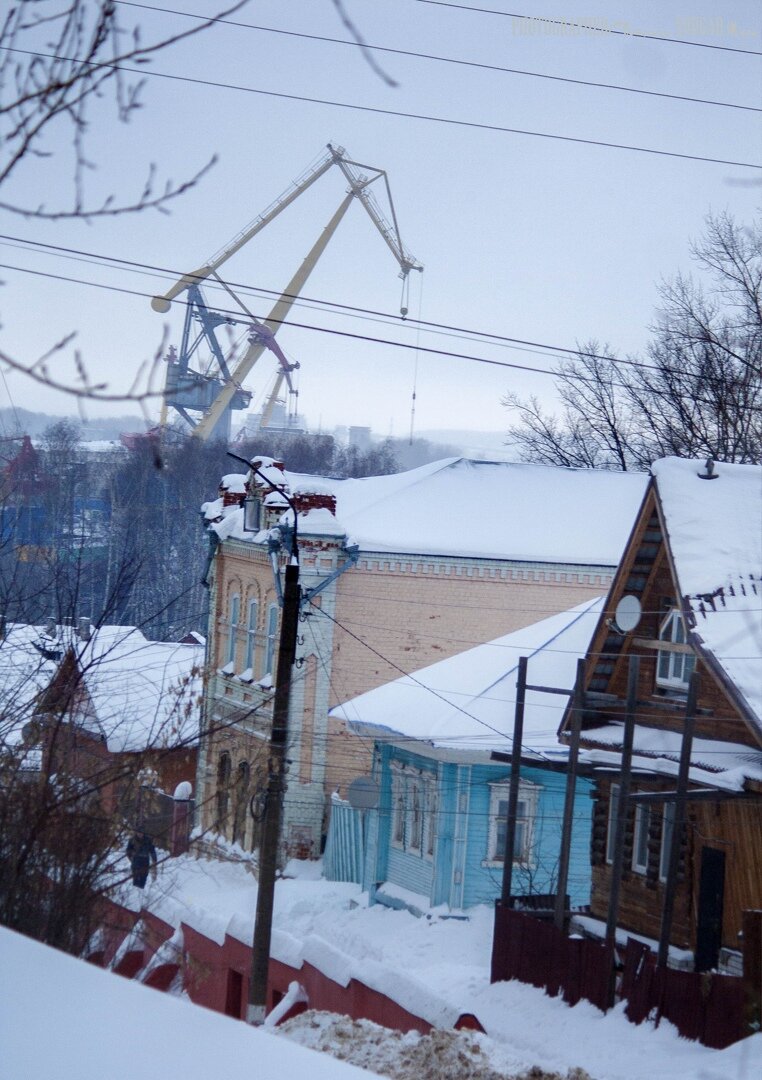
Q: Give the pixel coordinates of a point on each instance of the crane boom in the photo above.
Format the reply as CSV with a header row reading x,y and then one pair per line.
x,y
193,391
359,185
273,322
195,277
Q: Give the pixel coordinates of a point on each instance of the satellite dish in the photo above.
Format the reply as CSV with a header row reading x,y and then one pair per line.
x,y
627,614
363,793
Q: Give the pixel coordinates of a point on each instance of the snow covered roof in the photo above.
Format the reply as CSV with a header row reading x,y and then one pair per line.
x,y
234,483
480,509
24,672
492,510
714,762
466,703
714,532
89,1013
143,693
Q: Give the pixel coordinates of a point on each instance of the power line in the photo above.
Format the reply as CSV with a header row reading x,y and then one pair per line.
x,y
371,339
500,339
308,302
375,110
349,311
590,27
458,61
464,333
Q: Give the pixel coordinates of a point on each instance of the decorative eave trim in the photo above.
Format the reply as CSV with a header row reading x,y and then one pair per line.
x,y
476,567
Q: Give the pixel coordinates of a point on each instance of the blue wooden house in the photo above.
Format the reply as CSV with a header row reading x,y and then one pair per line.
x,y
442,743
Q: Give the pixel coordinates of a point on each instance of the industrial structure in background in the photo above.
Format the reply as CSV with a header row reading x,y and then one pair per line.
x,y
206,399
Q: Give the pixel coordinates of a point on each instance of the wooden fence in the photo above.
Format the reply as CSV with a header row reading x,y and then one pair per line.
x,y
709,1008
343,859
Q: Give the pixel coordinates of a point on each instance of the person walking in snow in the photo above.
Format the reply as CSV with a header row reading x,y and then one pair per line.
x,y
142,854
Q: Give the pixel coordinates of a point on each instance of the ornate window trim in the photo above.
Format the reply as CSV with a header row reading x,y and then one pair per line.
x,y
413,810
526,815
430,815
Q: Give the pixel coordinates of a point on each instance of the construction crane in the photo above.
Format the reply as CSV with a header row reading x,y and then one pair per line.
x,y
219,390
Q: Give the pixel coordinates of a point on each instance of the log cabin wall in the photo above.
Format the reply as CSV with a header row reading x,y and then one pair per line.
x,y
642,893
734,828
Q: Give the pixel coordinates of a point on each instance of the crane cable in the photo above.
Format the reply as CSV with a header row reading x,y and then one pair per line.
x,y
415,363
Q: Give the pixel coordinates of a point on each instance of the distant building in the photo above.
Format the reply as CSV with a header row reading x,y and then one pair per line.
x,y
359,438
105,706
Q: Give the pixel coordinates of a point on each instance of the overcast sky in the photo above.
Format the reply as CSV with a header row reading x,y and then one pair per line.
x,y
530,237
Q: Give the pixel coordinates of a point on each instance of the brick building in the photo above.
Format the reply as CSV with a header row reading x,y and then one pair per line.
x,y
105,708
396,572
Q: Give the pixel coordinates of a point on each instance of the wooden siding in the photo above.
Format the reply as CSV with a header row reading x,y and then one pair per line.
x,y
645,572
407,867
484,881
734,828
460,874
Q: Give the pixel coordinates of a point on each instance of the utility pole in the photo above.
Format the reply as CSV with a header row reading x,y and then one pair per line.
x,y
621,816
513,791
268,855
559,917
678,819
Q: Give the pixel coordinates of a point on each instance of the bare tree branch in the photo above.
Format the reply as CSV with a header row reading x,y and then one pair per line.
x,y
699,394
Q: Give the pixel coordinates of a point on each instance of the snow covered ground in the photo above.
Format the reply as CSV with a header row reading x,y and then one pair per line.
x,y
437,968
63,1019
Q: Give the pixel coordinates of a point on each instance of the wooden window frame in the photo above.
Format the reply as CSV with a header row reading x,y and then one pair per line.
x,y
529,797
614,790
640,838
669,661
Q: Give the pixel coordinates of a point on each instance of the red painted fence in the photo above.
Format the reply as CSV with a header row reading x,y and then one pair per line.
x,y
706,1007
216,975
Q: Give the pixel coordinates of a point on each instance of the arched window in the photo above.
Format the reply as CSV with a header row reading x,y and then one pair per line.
x,y
241,801
223,786
235,614
251,634
272,637
674,666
